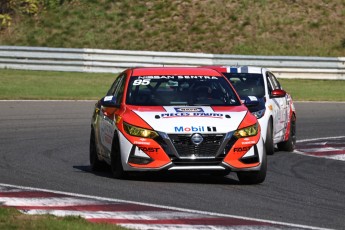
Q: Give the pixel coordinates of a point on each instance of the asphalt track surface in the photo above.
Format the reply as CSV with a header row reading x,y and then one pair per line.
x,y
45,145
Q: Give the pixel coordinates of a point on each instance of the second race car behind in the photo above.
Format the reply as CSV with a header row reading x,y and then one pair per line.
x,y
274,107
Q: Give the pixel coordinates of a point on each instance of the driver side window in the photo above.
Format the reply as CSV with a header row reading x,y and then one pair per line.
x,y
112,89
272,82
120,89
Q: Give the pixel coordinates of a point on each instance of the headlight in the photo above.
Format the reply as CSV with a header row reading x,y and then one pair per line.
x,y
247,132
139,132
259,114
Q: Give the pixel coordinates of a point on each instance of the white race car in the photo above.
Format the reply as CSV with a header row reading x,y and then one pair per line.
x,y
274,108
176,119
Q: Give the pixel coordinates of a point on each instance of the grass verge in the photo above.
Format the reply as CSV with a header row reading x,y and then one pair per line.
x,y
45,85
49,85
314,90
10,218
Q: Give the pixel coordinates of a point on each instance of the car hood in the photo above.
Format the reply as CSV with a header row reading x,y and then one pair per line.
x,y
192,119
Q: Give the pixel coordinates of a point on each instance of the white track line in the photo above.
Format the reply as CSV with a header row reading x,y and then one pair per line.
x,y
340,157
168,207
319,138
134,215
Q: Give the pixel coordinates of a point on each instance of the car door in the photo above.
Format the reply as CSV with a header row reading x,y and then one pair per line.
x,y
279,108
107,122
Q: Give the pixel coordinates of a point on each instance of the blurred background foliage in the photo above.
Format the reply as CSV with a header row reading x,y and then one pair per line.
x,y
10,8
261,27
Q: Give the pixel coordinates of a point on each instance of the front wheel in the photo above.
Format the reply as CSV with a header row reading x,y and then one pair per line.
x,y
116,163
254,177
95,163
269,145
290,144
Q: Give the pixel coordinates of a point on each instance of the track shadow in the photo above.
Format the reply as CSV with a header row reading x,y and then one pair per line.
x,y
169,177
87,169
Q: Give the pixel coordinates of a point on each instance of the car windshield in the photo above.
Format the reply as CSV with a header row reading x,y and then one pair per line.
x,y
247,84
180,90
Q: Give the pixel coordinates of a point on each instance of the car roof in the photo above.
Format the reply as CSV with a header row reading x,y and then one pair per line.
x,y
237,69
175,71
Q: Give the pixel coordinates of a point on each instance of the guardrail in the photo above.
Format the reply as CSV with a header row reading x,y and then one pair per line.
x,y
114,61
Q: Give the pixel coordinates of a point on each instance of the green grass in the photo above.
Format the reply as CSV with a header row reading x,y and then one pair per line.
x,y
44,85
315,90
265,27
21,84
11,218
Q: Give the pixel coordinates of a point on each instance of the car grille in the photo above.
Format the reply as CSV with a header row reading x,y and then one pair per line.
x,y
186,149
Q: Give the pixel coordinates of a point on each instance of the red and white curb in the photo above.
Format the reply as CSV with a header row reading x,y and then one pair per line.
x,y
128,214
326,147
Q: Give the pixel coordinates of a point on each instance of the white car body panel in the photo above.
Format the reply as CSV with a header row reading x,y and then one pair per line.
x,y
207,121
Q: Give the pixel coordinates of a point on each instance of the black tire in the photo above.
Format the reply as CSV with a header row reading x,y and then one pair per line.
x,y
290,144
254,177
269,144
95,163
116,164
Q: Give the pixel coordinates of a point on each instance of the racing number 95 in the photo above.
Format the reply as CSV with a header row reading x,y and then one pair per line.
x,y
141,82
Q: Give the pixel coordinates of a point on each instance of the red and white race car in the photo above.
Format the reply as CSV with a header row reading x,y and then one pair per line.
x,y
274,108
176,119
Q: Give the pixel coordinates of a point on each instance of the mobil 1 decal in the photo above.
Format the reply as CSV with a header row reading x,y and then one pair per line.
x,y
194,129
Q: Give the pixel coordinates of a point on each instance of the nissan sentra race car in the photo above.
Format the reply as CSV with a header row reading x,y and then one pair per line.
x,y
176,119
274,108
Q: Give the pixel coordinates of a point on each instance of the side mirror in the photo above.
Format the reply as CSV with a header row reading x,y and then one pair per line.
x,y
109,101
278,93
251,101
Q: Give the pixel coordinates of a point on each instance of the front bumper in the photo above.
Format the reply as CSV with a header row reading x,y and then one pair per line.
x,y
175,152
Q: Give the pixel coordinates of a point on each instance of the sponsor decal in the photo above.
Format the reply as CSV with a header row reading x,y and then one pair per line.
x,y
108,98
242,149
148,149
186,109
194,114
176,77
214,115
141,143
195,129
169,115
248,142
